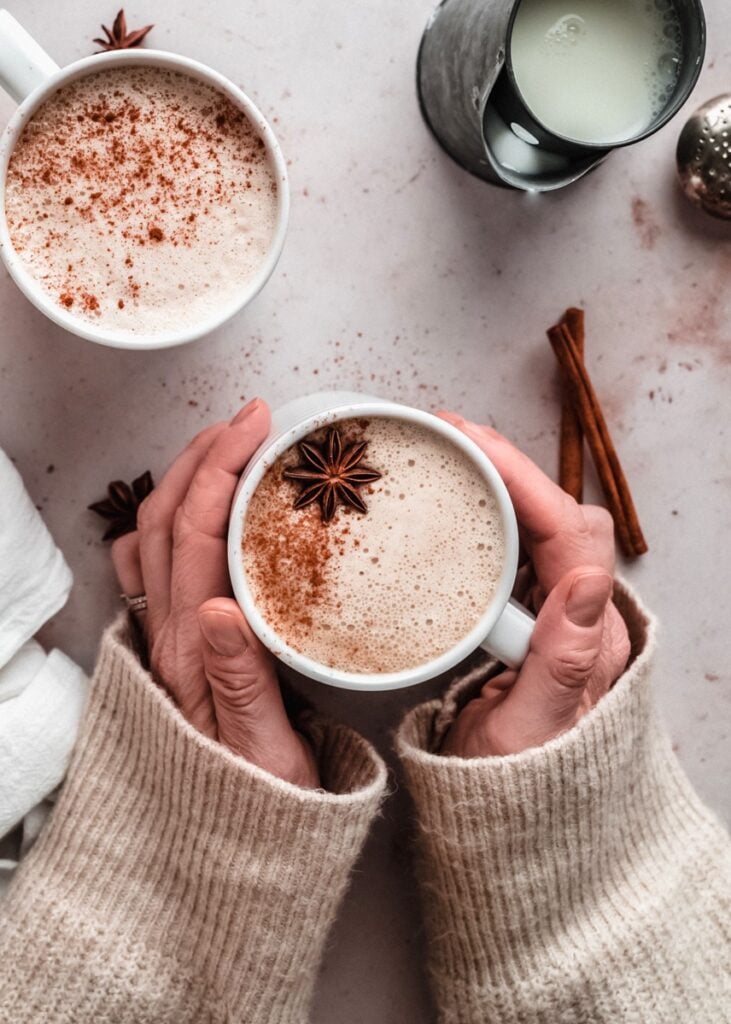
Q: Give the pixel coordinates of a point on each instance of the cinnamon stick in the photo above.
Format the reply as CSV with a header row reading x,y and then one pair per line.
x,y
571,450
609,470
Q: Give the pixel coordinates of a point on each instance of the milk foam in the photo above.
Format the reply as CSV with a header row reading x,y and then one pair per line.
x,y
141,199
391,589
596,70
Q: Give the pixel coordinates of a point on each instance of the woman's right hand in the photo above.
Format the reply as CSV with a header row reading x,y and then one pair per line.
x,y
201,648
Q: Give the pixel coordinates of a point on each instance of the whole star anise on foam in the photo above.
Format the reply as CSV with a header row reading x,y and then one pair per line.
x,y
119,38
332,475
120,507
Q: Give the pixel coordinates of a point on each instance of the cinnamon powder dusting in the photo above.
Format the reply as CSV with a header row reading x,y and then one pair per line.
x,y
292,550
289,553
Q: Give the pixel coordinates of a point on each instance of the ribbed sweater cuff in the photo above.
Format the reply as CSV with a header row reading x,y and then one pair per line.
x,y
572,882
176,876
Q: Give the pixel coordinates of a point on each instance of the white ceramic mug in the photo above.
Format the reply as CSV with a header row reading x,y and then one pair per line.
x,y
30,76
505,627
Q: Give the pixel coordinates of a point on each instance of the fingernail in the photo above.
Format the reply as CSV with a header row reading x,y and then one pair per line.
x,y
454,418
588,598
222,632
248,409
478,429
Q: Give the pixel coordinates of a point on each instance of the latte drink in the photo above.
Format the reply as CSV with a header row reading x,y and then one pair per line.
x,y
142,200
385,589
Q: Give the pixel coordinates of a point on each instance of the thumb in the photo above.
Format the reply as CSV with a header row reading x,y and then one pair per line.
x,y
549,695
248,704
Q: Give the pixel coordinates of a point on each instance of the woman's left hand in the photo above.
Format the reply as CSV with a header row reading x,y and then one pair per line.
x,y
201,648
580,644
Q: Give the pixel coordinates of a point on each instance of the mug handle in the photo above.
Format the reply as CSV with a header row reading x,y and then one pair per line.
x,y
509,639
24,64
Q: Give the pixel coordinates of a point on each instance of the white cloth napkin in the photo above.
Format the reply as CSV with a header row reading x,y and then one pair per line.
x,y
34,578
37,728
41,695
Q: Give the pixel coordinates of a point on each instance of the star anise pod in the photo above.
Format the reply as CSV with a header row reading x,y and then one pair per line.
x,y
120,507
332,475
119,38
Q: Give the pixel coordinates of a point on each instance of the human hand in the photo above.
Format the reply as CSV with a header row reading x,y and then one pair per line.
x,y
580,645
201,648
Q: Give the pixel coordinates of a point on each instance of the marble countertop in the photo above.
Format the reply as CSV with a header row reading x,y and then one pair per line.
x,y
405,276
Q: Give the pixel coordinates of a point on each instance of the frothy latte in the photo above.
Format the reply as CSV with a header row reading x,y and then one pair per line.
x,y
141,200
394,588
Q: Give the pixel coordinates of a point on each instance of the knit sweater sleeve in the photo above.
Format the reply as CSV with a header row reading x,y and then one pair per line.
x,y
175,882
582,882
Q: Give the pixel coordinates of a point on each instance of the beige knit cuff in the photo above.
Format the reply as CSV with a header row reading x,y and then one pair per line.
x,y
222,879
570,774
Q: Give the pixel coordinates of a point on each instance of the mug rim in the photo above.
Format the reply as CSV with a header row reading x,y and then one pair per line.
x,y
96,63
595,147
250,479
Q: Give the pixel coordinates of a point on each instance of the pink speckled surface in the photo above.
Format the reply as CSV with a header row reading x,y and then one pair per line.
x,y
405,276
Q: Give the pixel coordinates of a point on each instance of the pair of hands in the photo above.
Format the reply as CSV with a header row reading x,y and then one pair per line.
x,y
202,650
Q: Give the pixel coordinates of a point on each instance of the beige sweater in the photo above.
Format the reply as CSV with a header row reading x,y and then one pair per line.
x,y
579,882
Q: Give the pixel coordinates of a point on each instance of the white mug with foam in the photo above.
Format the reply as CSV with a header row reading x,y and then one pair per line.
x,y
505,627
30,76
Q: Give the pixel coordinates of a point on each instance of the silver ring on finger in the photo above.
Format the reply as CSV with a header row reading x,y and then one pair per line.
x,y
135,604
